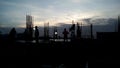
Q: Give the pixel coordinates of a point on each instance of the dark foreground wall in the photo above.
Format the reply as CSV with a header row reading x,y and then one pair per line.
x,y
77,54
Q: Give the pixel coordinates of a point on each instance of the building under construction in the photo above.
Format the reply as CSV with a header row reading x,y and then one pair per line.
x,y
29,27
29,22
46,30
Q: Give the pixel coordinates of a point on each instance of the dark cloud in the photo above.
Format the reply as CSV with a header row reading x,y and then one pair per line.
x,y
99,21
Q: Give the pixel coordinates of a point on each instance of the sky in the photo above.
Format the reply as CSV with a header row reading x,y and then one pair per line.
x,y
13,12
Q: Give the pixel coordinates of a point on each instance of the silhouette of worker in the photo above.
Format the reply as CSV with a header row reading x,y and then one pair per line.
x,y
25,35
28,34
12,34
36,34
72,30
65,33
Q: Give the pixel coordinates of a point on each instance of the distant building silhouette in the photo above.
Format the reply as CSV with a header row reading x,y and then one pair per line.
x,y
107,35
29,27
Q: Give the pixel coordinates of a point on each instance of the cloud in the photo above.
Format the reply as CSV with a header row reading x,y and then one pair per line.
x,y
80,1
14,12
99,21
76,1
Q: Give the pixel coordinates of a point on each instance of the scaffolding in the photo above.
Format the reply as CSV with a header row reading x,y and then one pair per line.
x,y
46,30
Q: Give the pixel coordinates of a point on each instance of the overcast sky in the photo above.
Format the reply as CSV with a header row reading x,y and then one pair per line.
x,y
13,12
